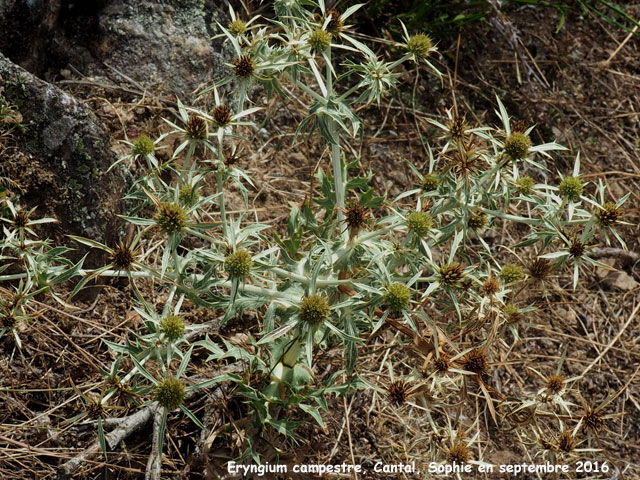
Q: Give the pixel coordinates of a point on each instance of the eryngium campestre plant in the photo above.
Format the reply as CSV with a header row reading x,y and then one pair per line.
x,y
420,45
608,215
511,273
420,223
319,40
570,188
397,297
517,145
143,145
173,327
238,264
171,218
430,183
314,309
169,393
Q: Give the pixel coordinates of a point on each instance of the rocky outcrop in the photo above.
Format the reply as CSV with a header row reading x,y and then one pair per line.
x,y
161,45
60,157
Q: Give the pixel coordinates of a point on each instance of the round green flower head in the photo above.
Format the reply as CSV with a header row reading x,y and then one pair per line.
x,y
525,185
169,393
314,309
420,223
512,313
608,215
450,274
397,297
189,195
237,28
171,217
517,145
430,183
319,40
511,273
238,264
172,327
143,145
477,219
571,188
420,45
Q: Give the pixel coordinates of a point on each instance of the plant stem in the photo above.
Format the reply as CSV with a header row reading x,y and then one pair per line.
x,y
223,212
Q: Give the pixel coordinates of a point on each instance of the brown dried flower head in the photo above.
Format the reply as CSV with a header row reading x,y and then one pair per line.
x,y
221,115
356,217
593,420
451,274
398,392
577,248
442,363
555,384
566,442
196,128
243,66
539,269
335,24
476,362
123,256
491,286
458,453
608,215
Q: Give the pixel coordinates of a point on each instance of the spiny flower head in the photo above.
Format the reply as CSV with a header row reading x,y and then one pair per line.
x,y
356,216
319,40
517,145
420,223
430,183
335,24
577,248
221,115
512,313
172,327
458,453
238,264
571,188
243,66
540,269
593,420
555,384
188,195
478,219
442,363
490,286
122,257
608,215
457,127
511,273
170,393
237,27
314,309
476,362
143,145
525,185
450,274
171,217
566,442
196,128
398,392
397,297
420,45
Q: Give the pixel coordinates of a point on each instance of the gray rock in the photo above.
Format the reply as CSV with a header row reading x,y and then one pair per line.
x,y
161,45
61,159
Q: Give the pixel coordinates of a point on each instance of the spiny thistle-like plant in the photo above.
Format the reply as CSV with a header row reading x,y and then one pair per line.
x,y
170,393
423,267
